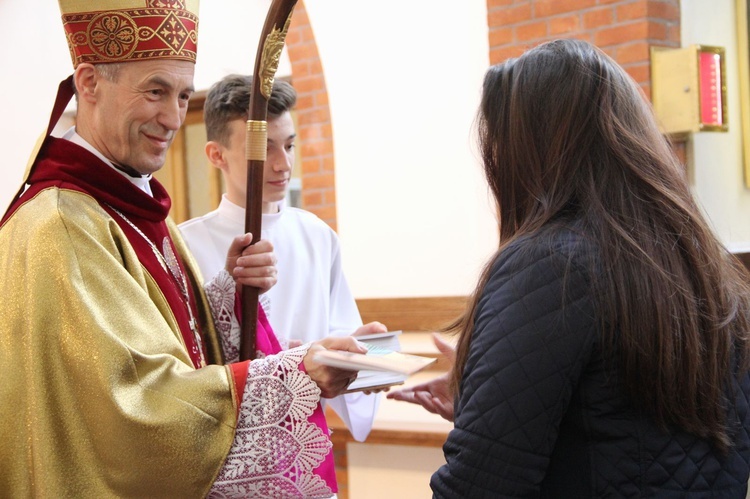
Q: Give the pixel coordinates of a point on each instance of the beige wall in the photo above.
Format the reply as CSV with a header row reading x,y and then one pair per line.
x,y
391,471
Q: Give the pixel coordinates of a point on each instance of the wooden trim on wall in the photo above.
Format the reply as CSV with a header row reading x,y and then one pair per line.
x,y
744,258
196,102
742,15
178,176
412,314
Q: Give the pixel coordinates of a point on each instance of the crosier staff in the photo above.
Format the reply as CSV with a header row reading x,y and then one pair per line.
x,y
266,64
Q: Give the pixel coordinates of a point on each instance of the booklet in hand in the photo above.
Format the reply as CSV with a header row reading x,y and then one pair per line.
x,y
381,367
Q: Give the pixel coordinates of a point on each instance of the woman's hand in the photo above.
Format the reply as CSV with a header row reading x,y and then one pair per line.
x,y
434,395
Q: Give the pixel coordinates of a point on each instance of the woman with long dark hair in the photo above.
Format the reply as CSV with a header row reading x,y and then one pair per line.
x,y
605,350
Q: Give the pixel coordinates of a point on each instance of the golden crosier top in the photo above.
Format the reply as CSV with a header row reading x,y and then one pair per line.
x,y
130,30
271,56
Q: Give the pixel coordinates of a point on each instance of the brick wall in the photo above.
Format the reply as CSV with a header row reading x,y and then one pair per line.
x,y
625,29
314,132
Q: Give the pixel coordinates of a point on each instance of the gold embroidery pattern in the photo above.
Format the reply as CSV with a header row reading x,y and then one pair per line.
x,y
173,32
166,4
113,36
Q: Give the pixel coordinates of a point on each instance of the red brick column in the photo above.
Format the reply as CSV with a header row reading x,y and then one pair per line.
x,y
314,132
625,29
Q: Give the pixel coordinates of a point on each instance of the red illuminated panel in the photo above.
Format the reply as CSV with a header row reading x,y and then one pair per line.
x,y
710,89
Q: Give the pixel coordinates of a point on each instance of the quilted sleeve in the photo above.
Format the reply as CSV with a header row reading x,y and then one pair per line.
x,y
533,335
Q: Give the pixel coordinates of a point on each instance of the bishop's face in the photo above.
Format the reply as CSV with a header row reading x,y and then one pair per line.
x,y
138,114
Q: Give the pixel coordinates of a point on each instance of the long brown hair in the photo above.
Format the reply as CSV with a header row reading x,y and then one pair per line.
x,y
564,130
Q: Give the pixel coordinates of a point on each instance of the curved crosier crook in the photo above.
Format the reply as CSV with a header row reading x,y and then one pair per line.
x,y
266,63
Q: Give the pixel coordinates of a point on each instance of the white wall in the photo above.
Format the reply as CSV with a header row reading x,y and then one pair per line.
x,y
34,59
718,168
229,31
413,211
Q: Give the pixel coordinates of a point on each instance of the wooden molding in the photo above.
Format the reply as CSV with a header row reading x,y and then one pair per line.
x,y
744,258
410,434
413,314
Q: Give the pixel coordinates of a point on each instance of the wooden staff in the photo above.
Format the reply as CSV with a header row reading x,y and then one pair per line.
x,y
266,63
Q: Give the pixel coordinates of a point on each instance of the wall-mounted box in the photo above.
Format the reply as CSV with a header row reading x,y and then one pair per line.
x,y
688,89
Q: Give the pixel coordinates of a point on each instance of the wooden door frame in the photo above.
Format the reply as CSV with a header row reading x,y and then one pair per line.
x,y
174,172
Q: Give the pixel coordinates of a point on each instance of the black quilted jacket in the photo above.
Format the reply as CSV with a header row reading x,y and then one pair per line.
x,y
539,414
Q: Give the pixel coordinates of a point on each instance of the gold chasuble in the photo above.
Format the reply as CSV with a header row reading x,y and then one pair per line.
x,y
99,344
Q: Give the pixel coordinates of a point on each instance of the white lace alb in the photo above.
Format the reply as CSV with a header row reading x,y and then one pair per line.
x,y
275,448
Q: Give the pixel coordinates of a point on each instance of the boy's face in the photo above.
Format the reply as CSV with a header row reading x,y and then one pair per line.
x,y
278,167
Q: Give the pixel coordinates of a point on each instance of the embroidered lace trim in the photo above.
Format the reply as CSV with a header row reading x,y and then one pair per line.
x,y
220,292
275,448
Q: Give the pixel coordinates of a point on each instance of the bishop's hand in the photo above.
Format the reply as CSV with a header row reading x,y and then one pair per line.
x,y
332,381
